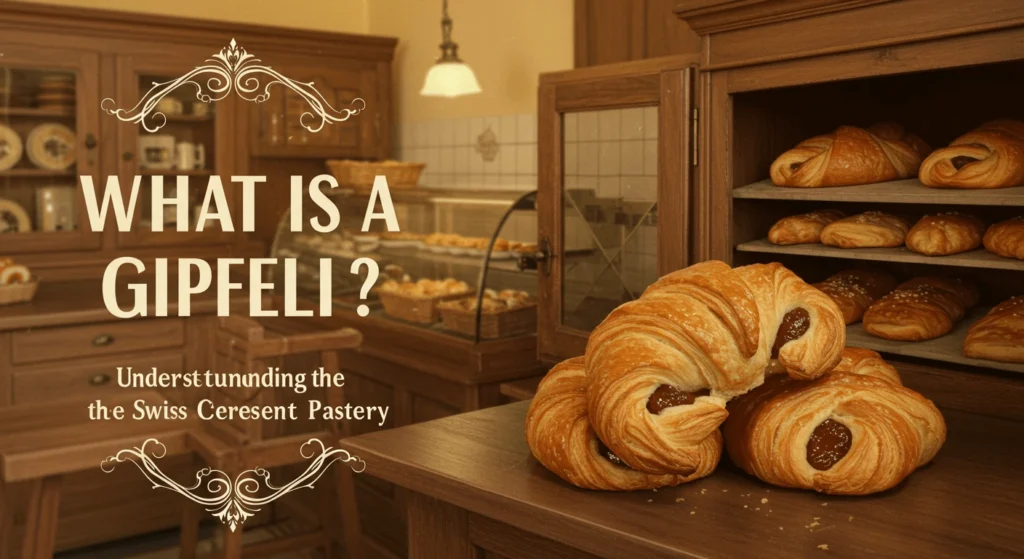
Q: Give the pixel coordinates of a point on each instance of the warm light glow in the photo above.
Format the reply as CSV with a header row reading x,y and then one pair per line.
x,y
450,79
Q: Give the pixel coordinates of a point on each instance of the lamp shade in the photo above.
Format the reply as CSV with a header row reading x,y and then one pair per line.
x,y
450,79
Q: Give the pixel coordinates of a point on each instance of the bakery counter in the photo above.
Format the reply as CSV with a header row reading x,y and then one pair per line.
x,y
475,486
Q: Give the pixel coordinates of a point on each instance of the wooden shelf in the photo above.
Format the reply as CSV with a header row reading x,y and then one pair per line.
x,y
948,348
909,191
980,258
36,113
36,173
176,172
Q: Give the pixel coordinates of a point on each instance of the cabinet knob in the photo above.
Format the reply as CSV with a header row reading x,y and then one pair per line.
x,y
99,380
102,340
127,156
536,260
90,141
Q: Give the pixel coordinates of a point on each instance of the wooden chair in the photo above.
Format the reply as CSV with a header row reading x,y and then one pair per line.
x,y
243,345
40,444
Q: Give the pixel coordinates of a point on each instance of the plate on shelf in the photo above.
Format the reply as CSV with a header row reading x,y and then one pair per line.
x,y
51,146
10,148
459,251
13,218
505,255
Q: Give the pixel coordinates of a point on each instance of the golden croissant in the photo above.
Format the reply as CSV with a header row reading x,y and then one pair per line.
x,y
659,370
990,156
854,431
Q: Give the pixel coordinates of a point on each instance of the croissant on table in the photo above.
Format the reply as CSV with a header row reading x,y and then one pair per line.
x,y
920,309
999,335
849,156
658,372
855,290
854,431
990,156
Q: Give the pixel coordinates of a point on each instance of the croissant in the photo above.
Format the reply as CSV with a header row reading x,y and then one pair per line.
x,y
990,156
999,335
945,234
866,230
920,309
854,431
803,228
850,156
1006,238
854,291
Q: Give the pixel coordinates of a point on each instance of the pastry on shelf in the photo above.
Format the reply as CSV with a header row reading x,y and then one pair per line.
x,y
802,229
945,234
990,156
426,288
855,290
494,301
16,282
920,309
999,335
855,431
524,248
643,408
850,156
1006,238
12,273
866,230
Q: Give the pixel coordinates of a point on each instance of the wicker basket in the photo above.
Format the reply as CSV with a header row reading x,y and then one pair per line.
x,y
459,316
18,292
360,174
422,310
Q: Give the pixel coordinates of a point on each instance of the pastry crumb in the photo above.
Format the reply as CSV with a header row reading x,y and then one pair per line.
x,y
744,506
816,518
703,491
650,500
693,512
780,527
850,519
757,509
680,500
814,524
824,504
823,547
655,489
764,500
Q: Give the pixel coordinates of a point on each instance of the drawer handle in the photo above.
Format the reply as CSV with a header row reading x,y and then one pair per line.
x,y
99,380
103,340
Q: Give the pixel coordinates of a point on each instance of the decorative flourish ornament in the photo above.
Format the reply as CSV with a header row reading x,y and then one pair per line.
x,y
233,70
232,501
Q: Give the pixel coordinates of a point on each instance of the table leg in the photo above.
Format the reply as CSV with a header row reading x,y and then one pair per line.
x,y
41,521
437,529
345,490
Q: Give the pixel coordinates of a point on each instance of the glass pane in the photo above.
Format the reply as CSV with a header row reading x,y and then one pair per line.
x,y
183,147
610,211
37,151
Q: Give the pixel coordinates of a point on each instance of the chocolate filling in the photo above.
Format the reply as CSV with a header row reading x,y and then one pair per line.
x,y
668,396
961,160
608,455
794,166
794,325
829,443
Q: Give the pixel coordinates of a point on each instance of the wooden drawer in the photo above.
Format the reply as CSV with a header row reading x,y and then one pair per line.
x,y
55,344
90,377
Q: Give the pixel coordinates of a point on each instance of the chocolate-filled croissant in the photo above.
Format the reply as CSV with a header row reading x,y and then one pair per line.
x,y
854,431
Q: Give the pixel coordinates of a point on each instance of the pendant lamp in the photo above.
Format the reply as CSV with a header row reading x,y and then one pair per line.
x,y
450,76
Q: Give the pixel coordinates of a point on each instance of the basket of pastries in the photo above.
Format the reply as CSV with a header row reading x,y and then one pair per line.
x,y
360,174
417,301
16,283
503,313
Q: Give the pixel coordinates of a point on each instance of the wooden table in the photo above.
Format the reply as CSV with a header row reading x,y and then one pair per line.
x,y
476,485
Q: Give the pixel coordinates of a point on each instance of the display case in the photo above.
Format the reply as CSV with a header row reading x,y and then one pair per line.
x,y
464,264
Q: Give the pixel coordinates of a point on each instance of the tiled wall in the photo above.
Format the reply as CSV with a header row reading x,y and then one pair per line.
x,y
613,152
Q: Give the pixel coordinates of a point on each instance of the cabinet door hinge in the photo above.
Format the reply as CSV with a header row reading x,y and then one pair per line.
x,y
695,136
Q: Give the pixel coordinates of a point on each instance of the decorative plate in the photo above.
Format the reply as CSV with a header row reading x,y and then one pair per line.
x,y
10,148
51,146
13,218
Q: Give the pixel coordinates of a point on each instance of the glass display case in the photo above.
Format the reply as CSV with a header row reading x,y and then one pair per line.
x,y
464,263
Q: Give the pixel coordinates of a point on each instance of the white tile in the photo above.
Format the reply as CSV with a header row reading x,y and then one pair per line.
x,y
476,127
461,131
494,124
492,181
508,181
651,158
476,181
609,124
587,183
570,181
462,155
632,124
446,133
526,159
433,133
447,160
588,159
419,130
446,180
587,130
509,159
509,130
493,167
609,156
476,162
641,189
570,159
650,123
570,127
434,160
608,187
526,131
633,157
528,182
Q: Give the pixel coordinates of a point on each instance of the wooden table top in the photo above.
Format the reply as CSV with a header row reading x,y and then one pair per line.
x,y
967,503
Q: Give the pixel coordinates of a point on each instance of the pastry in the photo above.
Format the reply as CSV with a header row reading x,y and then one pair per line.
x,y
803,228
14,273
1006,238
855,431
659,370
945,234
866,230
990,156
998,336
920,309
850,156
425,287
854,291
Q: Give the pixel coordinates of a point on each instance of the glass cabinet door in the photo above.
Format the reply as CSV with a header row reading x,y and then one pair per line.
x,y
48,122
186,144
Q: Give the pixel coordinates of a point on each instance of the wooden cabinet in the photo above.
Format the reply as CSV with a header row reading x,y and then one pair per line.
x,y
610,31
616,160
